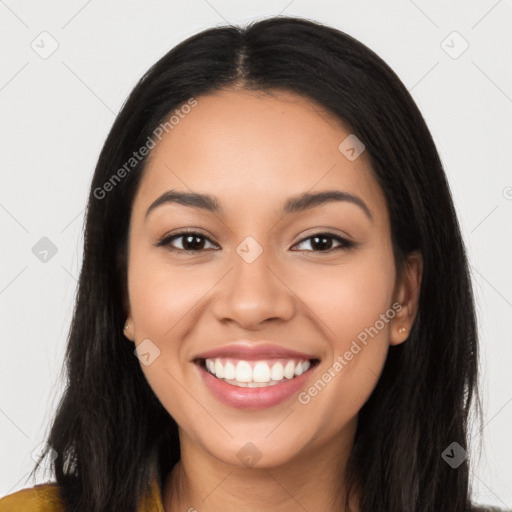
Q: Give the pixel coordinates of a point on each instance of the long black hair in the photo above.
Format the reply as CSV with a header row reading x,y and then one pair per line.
x,y
111,432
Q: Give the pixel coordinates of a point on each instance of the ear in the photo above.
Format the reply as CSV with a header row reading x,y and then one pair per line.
x,y
407,294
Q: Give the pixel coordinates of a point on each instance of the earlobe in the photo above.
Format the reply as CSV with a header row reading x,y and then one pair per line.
x,y
399,332
127,330
408,293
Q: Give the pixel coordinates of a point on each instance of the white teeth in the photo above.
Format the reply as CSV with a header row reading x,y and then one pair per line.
x,y
261,373
243,372
277,372
255,374
289,370
219,370
229,371
251,384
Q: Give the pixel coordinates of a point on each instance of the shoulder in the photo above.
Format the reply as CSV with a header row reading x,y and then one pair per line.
x,y
42,497
46,498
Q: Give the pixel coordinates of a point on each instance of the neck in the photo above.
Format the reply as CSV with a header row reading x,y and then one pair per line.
x,y
314,480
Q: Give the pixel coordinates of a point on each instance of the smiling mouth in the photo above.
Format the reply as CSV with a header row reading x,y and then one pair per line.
x,y
256,373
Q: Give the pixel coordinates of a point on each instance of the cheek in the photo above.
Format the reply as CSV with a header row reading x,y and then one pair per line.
x,y
351,306
349,298
163,300
350,303
161,294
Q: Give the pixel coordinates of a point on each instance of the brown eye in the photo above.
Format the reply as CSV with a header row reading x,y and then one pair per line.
x,y
323,242
194,242
190,242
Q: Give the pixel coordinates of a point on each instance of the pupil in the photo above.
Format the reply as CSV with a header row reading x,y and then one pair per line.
x,y
195,246
195,242
321,245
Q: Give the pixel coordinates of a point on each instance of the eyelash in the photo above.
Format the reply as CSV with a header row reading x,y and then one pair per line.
x,y
166,240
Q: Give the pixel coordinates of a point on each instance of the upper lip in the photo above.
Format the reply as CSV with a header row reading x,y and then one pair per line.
x,y
251,351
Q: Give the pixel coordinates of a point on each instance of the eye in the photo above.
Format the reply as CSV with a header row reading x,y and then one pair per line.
x,y
323,242
194,242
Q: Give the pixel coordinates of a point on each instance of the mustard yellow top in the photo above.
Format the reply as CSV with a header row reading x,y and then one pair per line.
x,y
45,498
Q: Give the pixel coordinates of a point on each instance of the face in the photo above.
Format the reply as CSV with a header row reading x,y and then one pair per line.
x,y
293,309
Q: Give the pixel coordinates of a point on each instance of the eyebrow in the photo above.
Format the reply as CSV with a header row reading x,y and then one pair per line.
x,y
293,205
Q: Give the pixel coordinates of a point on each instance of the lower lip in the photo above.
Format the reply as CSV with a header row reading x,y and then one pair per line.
x,y
253,398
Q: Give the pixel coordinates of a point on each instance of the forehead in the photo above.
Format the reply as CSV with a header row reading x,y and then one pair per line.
x,y
244,146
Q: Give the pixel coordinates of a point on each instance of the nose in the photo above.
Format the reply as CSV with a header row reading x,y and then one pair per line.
x,y
253,292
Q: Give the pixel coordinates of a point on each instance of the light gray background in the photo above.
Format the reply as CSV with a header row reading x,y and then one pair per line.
x,y
57,111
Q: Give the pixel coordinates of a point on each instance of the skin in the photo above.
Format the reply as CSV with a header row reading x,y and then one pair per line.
x,y
253,151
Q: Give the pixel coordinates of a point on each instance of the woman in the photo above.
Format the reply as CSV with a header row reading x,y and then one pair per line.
x,y
271,233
